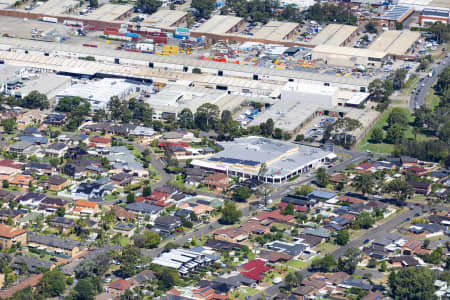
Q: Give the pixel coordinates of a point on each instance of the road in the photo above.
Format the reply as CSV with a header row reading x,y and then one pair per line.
x,y
157,165
418,98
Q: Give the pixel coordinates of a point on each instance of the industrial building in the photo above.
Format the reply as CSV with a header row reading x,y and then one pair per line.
x,y
395,42
276,31
397,14
147,66
165,19
9,75
182,260
335,35
349,57
281,160
111,12
56,7
219,24
172,99
430,16
99,92
420,5
301,102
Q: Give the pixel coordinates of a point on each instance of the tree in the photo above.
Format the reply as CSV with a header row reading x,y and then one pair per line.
x,y
61,211
372,263
35,100
52,284
289,210
99,115
394,134
203,8
304,190
350,260
241,194
377,135
322,177
401,189
342,237
364,183
230,213
371,27
115,108
325,264
146,191
93,3
68,104
290,280
168,278
345,125
9,125
398,79
84,290
148,6
131,198
397,116
186,118
363,220
147,240
129,259
278,134
426,243
411,283
206,116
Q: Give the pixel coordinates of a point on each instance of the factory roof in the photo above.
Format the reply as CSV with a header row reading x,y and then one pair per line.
x,y
436,13
334,35
219,24
250,152
55,7
395,42
87,67
275,30
164,18
345,51
9,72
109,12
396,13
423,4
175,98
47,83
99,90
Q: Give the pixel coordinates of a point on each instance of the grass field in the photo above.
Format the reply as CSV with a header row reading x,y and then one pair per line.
x,y
365,143
298,264
431,99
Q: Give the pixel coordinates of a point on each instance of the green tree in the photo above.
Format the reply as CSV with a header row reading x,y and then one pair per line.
x,y
342,237
61,211
130,258
344,126
52,284
131,198
377,135
397,116
325,264
241,194
146,191
289,210
207,115
304,190
203,8
9,125
230,213
147,240
99,115
394,134
93,3
84,290
364,183
350,260
168,278
322,177
35,100
411,283
371,27
148,6
186,118
363,220
401,189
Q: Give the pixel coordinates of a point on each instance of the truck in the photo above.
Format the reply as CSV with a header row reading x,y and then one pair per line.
x,y
431,74
49,19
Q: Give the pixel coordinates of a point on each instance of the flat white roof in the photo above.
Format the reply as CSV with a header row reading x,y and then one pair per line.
x,y
275,31
347,51
334,35
219,24
164,18
395,42
55,7
109,12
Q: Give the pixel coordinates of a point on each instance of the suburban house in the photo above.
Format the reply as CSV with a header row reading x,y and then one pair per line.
x,y
121,179
56,150
11,236
99,141
56,183
419,187
31,199
118,287
51,204
85,208
166,224
121,213
232,235
22,181
217,181
40,167
53,245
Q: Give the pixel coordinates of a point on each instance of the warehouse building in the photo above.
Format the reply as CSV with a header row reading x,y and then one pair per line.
x,y
397,14
395,42
281,160
430,16
219,24
99,92
420,5
276,31
56,7
182,260
348,57
111,12
172,99
335,35
165,19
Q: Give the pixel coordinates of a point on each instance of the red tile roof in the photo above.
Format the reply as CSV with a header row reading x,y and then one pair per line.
x,y
120,284
274,215
253,264
101,140
297,208
9,163
156,195
30,281
254,274
10,232
182,144
365,166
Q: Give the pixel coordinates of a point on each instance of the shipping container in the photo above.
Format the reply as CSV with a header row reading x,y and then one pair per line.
x,y
90,45
132,35
118,37
73,23
160,39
